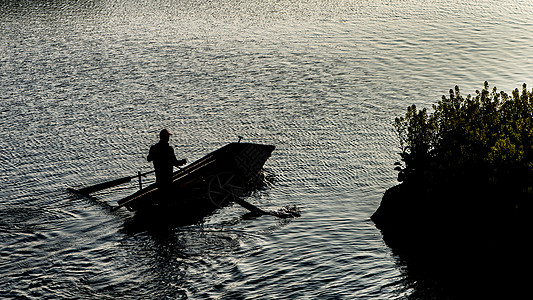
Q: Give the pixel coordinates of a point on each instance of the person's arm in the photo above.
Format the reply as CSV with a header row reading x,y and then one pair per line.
x,y
177,162
181,162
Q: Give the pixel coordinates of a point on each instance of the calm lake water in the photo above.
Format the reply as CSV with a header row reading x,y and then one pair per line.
x,y
85,87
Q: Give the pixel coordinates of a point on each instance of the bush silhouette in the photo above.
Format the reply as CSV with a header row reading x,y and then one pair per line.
x,y
482,141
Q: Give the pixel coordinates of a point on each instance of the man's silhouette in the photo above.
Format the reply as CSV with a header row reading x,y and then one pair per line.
x,y
162,154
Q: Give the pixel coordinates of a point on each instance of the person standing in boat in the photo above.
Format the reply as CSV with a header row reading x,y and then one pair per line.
x,y
164,159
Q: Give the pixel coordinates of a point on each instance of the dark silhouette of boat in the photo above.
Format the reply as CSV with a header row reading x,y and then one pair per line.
x,y
214,181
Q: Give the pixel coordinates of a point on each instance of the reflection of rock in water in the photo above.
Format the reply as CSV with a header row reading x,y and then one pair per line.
x,y
465,274
445,247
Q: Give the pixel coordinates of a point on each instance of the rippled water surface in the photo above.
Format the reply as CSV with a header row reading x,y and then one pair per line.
x,y
85,86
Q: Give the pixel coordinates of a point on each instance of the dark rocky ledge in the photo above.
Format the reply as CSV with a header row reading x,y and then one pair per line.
x,y
461,236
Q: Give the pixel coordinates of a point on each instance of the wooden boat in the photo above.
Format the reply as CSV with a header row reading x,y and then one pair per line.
x,y
211,182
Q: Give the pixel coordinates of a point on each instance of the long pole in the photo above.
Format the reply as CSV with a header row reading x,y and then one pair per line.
x,y
108,184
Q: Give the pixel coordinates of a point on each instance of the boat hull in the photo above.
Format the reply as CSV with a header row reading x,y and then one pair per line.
x,y
211,182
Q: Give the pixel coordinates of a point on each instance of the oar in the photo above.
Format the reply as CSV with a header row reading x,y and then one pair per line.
x,y
285,212
108,184
247,205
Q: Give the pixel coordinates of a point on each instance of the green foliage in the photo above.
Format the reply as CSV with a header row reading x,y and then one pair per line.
x,y
486,138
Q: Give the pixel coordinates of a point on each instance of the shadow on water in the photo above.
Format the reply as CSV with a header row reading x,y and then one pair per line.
x,y
181,261
161,221
175,254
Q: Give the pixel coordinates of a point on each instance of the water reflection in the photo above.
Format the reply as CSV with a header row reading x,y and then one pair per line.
x,y
477,268
83,83
180,262
161,221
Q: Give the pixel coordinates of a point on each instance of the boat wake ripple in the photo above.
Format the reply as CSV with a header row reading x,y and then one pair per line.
x,y
289,211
